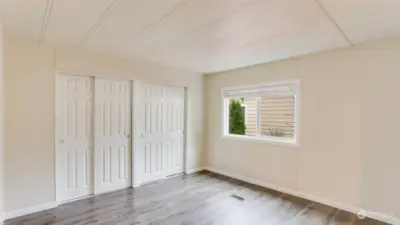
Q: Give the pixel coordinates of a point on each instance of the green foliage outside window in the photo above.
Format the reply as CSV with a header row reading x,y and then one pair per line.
x,y
236,118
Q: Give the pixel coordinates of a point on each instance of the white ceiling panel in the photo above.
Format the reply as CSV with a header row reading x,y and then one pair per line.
x,y
287,45
257,20
71,20
190,16
203,35
364,20
294,28
127,19
23,17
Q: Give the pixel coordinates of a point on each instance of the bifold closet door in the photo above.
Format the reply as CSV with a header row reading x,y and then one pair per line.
x,y
74,136
112,135
160,118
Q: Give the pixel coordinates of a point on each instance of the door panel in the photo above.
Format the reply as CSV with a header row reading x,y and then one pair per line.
x,y
112,134
74,127
160,127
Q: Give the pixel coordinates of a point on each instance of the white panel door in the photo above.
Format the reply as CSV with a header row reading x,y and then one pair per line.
x,y
74,139
112,135
159,132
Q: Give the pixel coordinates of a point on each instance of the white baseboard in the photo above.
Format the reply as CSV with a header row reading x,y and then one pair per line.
x,y
338,205
195,170
30,210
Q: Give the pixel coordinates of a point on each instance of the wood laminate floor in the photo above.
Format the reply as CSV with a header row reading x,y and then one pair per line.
x,y
203,198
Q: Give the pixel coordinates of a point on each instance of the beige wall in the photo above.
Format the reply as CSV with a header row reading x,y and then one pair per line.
x,y
349,127
30,78
2,166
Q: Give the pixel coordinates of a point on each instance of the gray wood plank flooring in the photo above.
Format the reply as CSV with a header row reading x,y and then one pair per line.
x,y
203,198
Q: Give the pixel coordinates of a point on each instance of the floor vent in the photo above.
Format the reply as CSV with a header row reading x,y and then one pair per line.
x,y
237,197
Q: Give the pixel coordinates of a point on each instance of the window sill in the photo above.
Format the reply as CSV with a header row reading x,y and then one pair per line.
x,y
269,140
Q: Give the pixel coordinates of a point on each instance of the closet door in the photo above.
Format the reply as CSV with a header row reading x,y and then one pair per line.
x,y
112,135
160,118
74,136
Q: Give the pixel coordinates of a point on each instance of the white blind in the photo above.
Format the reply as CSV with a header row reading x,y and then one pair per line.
x,y
260,91
277,116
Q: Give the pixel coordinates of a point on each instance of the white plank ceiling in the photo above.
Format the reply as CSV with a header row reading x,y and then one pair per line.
x,y
202,35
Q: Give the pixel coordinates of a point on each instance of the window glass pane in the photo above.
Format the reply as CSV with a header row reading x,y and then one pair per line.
x,y
251,120
277,116
244,110
239,122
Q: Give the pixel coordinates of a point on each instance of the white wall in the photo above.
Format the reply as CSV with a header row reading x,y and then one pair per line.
x,y
30,90
349,145
2,166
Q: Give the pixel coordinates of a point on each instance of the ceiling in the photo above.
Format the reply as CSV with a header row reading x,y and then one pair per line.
x,y
202,35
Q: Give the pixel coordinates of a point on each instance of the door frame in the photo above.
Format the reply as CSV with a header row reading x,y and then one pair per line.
x,y
135,128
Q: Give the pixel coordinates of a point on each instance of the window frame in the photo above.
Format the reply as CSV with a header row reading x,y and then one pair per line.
x,y
293,142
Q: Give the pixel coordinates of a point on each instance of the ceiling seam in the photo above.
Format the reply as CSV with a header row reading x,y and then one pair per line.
x,y
327,14
247,45
250,44
157,21
98,22
284,32
45,22
240,8
261,40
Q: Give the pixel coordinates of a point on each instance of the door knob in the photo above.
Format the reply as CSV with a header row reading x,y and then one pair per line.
x,y
61,141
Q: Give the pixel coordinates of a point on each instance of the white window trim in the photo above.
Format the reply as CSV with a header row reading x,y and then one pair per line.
x,y
292,142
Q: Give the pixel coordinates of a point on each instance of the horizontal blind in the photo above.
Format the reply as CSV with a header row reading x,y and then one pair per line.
x,y
277,116
259,91
251,116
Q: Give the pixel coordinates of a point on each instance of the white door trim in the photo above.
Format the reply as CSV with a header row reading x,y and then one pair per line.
x,y
185,125
136,132
56,115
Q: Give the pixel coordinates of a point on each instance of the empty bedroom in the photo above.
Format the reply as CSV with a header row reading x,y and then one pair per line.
x,y
199,112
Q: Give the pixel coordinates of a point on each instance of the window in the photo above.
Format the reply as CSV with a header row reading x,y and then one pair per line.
x,y
267,112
